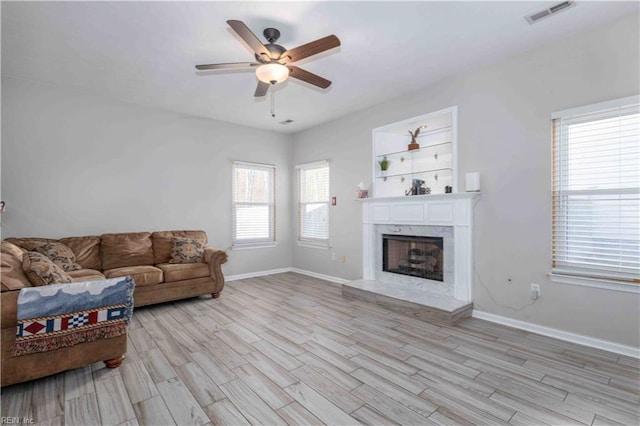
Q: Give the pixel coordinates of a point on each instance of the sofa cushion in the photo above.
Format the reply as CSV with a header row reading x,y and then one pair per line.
x,y
163,244
11,249
88,278
59,254
183,271
42,271
86,249
29,243
126,249
86,275
142,275
187,250
12,276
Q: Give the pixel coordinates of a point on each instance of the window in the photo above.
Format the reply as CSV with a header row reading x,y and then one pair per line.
x,y
313,204
253,215
596,191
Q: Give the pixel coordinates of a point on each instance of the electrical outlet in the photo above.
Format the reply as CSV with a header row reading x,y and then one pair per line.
x,y
535,291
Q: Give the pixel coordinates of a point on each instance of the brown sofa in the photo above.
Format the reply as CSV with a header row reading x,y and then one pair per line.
x,y
141,255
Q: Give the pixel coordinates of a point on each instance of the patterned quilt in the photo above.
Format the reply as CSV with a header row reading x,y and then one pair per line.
x,y
61,315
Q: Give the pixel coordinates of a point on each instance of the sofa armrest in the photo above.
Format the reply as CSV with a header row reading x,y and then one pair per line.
x,y
9,311
215,258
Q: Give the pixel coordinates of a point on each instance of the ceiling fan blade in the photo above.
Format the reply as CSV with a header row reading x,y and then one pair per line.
x,y
307,76
310,49
250,38
262,88
228,65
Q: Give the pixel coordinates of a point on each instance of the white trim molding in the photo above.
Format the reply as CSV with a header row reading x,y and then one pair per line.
x,y
560,334
282,271
320,276
595,283
256,274
251,246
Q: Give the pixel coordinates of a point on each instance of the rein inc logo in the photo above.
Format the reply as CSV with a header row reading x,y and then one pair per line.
x,y
16,420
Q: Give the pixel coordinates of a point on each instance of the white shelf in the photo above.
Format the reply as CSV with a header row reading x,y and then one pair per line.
x,y
457,195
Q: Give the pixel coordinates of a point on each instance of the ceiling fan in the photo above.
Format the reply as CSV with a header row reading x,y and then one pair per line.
x,y
273,64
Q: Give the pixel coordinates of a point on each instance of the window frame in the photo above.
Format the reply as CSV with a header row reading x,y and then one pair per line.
x,y
562,271
305,241
270,241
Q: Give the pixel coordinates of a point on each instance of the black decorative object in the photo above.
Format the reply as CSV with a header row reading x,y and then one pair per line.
x,y
417,188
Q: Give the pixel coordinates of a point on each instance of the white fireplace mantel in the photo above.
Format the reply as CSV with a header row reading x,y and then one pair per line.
x,y
450,210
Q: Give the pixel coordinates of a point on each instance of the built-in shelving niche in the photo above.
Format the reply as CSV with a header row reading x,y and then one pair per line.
x,y
435,162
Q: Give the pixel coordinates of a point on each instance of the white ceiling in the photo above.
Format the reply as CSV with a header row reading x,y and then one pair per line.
x,y
145,53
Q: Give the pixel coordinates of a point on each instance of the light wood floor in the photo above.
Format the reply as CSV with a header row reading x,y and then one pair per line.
x,y
289,349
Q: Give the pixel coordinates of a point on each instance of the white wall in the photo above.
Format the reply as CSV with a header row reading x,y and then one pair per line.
x,y
75,164
504,133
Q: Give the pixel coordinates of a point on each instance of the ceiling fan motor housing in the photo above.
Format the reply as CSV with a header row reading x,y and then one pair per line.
x,y
275,50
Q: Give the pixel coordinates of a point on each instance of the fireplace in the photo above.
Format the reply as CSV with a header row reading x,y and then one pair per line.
x,y
416,256
445,220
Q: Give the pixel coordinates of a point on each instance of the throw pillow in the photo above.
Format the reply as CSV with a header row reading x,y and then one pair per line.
x,y
187,250
42,271
59,254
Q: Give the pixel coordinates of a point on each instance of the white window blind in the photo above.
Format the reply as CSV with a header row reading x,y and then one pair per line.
x,y
596,191
313,202
253,214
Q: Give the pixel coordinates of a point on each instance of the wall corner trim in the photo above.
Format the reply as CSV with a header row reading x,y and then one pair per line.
x,y
580,339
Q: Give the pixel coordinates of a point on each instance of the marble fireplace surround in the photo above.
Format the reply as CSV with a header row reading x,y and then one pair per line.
x,y
446,215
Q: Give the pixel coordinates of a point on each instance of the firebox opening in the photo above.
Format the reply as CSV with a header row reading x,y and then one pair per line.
x,y
414,256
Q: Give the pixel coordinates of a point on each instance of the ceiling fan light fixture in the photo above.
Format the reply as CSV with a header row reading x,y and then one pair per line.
x,y
272,73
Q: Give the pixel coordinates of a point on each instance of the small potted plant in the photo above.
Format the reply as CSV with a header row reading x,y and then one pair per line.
x,y
414,142
384,165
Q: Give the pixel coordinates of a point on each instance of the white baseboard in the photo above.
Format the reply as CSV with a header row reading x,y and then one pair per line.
x,y
320,276
283,270
559,334
256,274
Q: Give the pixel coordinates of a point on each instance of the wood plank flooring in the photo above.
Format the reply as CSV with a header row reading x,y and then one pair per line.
x,y
289,349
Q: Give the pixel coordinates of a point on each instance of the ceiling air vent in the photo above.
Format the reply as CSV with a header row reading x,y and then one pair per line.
x,y
287,121
533,18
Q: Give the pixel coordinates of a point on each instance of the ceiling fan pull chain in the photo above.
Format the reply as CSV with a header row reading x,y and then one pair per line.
x,y
273,103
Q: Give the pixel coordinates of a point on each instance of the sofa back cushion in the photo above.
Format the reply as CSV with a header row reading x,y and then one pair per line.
x,y
12,276
126,249
163,243
30,243
86,249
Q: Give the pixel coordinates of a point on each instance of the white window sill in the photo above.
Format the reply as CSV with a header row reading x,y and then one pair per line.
x,y
596,283
322,245
251,246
